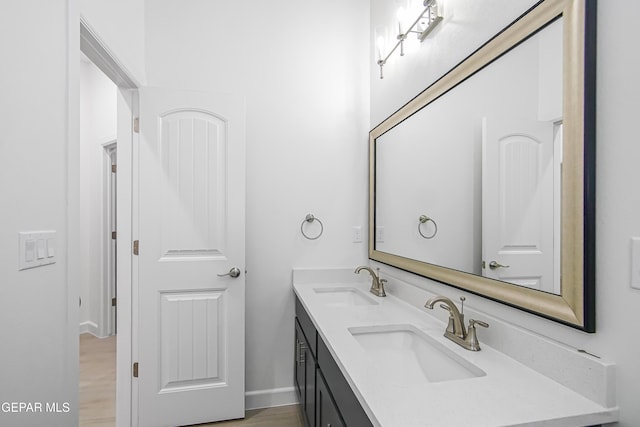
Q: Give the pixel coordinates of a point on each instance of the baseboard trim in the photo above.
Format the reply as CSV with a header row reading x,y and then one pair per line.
x,y
269,398
89,327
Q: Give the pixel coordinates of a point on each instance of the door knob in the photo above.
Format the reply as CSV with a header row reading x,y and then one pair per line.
x,y
493,265
234,272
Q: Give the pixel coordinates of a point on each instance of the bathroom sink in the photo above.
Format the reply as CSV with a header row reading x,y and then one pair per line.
x,y
343,297
407,355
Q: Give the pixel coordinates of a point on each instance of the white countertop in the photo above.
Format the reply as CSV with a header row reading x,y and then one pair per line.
x,y
509,394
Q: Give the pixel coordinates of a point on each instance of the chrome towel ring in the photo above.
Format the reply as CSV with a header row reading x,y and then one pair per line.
x,y
309,219
423,220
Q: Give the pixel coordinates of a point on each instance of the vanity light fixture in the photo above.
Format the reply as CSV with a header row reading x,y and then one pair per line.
x,y
422,26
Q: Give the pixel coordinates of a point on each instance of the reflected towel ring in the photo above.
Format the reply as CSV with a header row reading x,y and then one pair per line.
x,y
309,219
423,220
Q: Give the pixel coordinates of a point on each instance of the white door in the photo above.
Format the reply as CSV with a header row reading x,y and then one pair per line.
x,y
518,206
190,332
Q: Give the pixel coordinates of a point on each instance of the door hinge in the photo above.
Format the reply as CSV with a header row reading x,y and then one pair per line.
x,y
114,235
114,168
136,247
135,370
113,302
136,125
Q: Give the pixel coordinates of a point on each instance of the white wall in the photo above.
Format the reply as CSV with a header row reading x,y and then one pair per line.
x,y
617,152
39,190
302,68
468,24
119,24
38,307
98,126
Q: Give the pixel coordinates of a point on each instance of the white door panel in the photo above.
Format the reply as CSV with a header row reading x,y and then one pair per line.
x,y
191,229
518,202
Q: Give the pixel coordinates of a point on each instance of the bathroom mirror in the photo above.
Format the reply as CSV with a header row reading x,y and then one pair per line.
x,y
485,180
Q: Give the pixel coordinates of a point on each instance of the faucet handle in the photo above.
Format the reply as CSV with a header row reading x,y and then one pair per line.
x,y
473,323
472,339
382,291
445,307
450,325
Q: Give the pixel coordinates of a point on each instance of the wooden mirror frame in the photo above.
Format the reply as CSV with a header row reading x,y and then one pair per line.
x,y
575,306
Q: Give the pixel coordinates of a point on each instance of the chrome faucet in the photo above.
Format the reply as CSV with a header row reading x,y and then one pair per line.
x,y
456,330
377,284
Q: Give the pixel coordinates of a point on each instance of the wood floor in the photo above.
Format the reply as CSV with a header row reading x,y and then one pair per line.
x,y
98,392
281,416
97,381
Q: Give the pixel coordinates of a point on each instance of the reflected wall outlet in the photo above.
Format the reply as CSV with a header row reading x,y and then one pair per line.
x,y
635,262
380,234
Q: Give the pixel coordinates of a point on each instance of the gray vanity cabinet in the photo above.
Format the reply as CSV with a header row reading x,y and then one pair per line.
x,y
305,376
327,414
326,399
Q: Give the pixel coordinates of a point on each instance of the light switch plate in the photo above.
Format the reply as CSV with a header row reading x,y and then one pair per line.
x,y
36,248
635,262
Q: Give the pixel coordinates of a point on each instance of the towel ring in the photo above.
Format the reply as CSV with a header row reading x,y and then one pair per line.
x,y
423,220
309,219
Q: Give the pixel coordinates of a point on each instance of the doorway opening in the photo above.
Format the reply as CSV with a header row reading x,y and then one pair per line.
x,y
116,209
97,233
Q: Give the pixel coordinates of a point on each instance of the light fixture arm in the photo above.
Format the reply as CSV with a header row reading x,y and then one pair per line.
x,y
381,64
430,12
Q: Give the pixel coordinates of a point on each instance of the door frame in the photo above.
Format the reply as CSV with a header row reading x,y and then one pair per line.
x,y
99,53
109,225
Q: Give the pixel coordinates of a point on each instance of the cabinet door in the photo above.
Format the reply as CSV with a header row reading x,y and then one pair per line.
x,y
305,377
327,414
351,411
299,364
310,389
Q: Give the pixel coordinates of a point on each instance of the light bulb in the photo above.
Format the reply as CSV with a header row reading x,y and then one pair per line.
x,y
400,14
380,45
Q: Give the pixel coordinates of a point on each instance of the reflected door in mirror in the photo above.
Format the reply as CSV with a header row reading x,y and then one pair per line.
x,y
520,191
